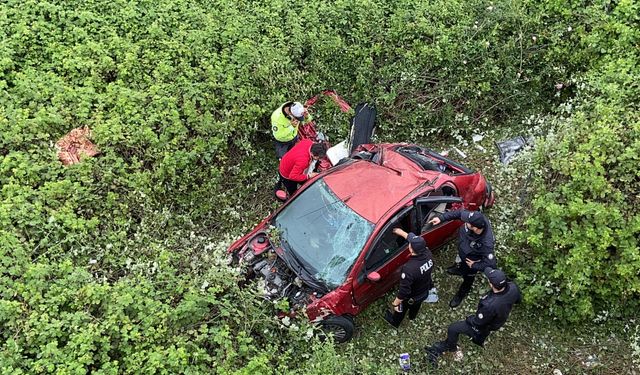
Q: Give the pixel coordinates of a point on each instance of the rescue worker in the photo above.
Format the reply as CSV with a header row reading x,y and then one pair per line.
x,y
493,310
284,126
295,164
415,280
475,248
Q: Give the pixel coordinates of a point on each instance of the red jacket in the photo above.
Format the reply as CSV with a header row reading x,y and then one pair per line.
x,y
296,160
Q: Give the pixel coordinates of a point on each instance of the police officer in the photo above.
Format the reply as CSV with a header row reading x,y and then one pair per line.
x,y
493,310
415,280
475,248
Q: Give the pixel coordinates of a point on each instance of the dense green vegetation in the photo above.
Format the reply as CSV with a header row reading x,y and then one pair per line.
x,y
583,229
117,265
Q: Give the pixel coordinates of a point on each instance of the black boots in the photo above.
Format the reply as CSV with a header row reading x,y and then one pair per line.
x,y
389,316
463,290
434,351
455,270
457,300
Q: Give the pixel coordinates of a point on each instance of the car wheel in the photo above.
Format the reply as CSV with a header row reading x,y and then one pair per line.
x,y
341,327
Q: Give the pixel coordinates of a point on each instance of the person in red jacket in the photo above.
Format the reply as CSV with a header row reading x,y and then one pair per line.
x,y
294,166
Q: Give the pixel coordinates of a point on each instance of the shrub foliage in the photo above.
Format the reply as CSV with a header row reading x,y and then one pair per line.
x,y
584,225
112,265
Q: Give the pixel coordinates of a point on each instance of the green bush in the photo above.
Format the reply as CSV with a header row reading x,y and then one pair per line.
x,y
176,94
104,263
69,319
584,225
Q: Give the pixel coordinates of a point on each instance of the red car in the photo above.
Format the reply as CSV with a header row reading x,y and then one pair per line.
x,y
330,249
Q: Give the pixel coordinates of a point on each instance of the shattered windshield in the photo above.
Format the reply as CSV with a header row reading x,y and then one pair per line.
x,y
325,234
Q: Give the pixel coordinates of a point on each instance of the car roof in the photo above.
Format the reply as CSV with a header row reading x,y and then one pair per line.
x,y
371,189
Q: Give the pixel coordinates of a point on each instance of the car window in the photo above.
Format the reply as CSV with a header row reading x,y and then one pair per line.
x,y
430,160
388,244
325,233
432,209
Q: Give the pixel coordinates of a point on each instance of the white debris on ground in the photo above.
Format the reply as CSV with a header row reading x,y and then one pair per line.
x,y
476,139
462,154
591,361
462,143
309,334
204,286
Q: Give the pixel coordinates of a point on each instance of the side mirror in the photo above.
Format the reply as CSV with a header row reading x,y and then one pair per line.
x,y
373,276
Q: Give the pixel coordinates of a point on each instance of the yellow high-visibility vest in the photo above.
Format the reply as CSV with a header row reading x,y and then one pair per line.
x,y
281,126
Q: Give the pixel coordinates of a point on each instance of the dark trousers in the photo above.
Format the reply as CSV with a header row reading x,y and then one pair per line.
x,y
468,277
283,147
453,333
395,318
290,185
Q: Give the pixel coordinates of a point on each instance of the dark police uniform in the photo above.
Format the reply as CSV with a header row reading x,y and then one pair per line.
x,y
415,283
478,248
493,311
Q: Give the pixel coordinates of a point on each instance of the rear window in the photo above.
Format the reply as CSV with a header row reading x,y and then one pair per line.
x,y
431,161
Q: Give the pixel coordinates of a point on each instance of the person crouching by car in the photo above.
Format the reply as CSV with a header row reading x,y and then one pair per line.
x,y
493,311
415,280
295,164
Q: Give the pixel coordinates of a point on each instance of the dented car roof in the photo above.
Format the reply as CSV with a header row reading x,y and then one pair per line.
x,y
371,189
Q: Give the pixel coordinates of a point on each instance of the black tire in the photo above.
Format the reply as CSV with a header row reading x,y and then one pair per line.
x,y
341,327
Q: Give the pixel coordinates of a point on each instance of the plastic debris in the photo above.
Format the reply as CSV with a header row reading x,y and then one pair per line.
x,y
405,362
510,147
338,152
462,154
433,296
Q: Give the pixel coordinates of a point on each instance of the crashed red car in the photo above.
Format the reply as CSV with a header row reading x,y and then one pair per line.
x,y
330,249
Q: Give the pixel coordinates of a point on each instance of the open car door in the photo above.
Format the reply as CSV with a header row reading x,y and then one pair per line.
x,y
429,207
363,125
